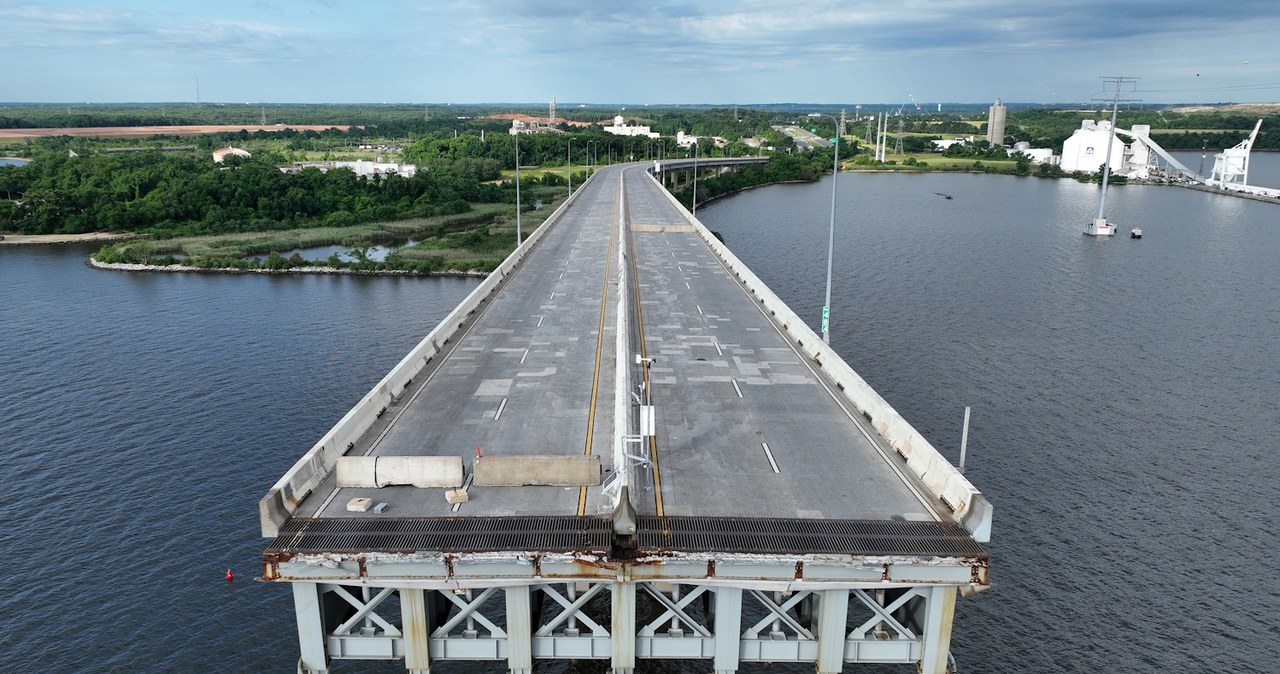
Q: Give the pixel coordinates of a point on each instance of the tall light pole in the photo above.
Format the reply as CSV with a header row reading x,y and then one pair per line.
x,y
517,189
831,230
695,179
569,174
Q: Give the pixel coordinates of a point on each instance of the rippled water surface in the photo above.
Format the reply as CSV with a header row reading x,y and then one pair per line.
x,y
1124,419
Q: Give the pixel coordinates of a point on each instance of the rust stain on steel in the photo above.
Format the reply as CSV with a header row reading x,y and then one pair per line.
x,y
711,568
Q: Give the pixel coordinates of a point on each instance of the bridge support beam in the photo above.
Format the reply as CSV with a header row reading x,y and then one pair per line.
x,y
624,628
417,631
833,609
519,630
307,600
728,629
939,613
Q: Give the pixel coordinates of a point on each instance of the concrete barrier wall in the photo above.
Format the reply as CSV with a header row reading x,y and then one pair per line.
x,y
284,496
943,480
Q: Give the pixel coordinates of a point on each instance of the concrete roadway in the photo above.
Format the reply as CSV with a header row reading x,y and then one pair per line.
x,y
744,426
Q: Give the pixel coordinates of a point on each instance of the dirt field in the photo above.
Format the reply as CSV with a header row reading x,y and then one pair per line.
x,y
49,239
123,131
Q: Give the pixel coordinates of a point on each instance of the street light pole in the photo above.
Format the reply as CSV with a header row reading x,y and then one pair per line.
x,y
569,174
695,180
517,189
831,230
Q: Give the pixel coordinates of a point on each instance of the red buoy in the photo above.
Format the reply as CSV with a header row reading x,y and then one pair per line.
x,y
230,576
478,455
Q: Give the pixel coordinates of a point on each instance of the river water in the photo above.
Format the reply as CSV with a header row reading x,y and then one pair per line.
x,y
1123,393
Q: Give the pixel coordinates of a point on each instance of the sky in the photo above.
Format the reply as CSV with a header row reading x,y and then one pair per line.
x,y
637,52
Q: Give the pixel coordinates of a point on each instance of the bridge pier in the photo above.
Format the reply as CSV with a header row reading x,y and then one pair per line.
x,y
831,628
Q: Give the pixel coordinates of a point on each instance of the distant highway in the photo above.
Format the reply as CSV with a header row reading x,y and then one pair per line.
x,y
803,138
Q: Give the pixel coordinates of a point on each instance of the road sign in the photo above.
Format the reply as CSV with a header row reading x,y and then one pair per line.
x,y
826,318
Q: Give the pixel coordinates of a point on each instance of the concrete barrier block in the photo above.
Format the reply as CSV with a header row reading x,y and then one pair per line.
x,y
548,471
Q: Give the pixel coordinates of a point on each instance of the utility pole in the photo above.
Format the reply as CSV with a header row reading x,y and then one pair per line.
x,y
1100,225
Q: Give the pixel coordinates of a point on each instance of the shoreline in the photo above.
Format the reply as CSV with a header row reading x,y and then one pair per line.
x,y
63,239
322,271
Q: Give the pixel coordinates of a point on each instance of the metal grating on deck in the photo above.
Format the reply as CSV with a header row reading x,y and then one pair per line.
x,y
444,534
656,535
806,536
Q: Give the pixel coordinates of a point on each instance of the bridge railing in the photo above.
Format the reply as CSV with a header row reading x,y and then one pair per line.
x,y
282,500
933,470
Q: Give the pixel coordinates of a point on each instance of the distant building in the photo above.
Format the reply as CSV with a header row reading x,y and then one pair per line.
x,y
1086,149
941,145
520,126
1038,155
996,118
685,140
620,128
361,168
221,153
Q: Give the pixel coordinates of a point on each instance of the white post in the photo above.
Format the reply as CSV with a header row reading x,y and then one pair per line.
x,y
964,437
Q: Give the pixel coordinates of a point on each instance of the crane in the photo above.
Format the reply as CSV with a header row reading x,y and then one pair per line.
x,y
913,100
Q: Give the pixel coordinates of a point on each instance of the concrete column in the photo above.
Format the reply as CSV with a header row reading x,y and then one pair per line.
x,y
416,628
728,629
624,627
833,609
311,636
939,612
519,630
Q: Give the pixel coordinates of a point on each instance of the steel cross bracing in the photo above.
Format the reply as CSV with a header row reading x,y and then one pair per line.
x,y
516,625
625,578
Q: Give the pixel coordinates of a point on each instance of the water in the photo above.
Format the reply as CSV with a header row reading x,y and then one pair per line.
x,y
1123,426
13,161
142,416
1123,395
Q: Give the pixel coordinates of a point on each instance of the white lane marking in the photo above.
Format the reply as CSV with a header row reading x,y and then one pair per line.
x,y
699,309
552,296
540,321
686,284
526,355
770,455
716,343
735,387
561,276
465,486
501,406
327,502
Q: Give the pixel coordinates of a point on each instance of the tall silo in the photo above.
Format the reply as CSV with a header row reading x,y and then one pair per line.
x,y
995,123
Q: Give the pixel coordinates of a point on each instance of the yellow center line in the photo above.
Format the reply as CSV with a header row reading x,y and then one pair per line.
x,y
595,380
653,442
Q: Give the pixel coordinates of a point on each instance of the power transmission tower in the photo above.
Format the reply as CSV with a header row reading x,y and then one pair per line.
x,y
897,146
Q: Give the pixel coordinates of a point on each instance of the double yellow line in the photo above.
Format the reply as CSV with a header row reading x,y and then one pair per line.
x,y
595,378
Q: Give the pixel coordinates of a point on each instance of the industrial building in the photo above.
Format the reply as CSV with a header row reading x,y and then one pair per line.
x,y
1085,149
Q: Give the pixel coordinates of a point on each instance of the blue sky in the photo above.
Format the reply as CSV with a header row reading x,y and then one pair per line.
x,y
638,52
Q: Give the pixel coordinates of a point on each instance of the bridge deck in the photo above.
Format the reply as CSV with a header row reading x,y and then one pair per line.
x,y
745,426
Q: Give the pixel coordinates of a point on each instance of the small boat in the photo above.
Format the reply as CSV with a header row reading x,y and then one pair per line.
x,y
1135,234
